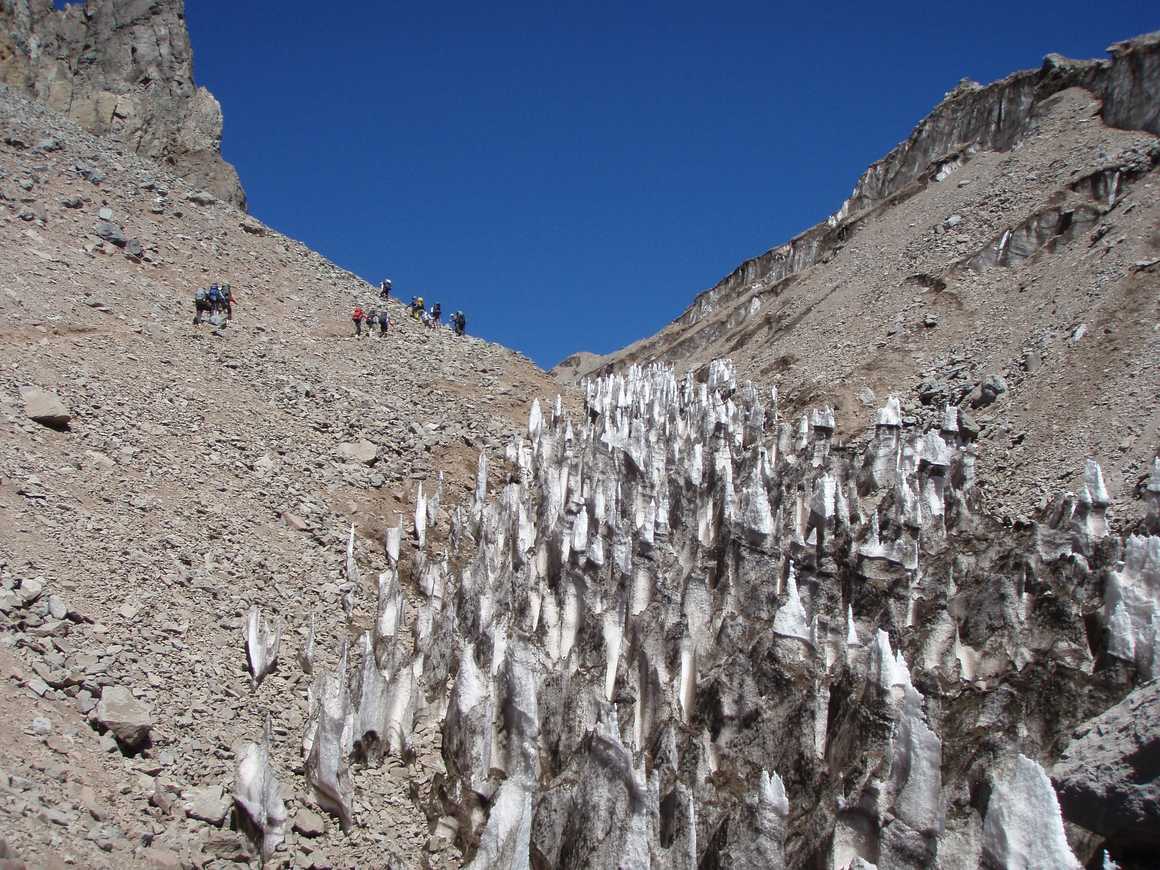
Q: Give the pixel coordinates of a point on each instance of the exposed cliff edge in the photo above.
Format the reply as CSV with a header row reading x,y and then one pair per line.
x,y
970,119
122,69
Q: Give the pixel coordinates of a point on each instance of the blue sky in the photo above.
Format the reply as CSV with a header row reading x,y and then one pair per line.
x,y
572,174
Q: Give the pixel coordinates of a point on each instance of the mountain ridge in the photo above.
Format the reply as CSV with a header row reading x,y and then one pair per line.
x,y
969,116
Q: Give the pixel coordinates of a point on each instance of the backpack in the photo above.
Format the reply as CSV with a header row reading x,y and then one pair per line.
x,y
214,294
358,314
200,295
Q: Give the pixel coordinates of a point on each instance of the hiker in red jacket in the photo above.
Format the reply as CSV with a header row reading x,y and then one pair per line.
x,y
358,317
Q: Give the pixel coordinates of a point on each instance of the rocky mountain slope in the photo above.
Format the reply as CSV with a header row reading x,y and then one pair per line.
x,y
200,474
1013,241
274,595
122,69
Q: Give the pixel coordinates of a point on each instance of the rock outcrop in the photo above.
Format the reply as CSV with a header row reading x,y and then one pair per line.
x,y
122,69
1109,777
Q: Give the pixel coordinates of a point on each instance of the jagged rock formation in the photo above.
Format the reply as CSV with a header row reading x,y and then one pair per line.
x,y
122,69
1028,197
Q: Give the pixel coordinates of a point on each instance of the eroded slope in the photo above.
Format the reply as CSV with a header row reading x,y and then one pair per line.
x,y
1015,234
201,474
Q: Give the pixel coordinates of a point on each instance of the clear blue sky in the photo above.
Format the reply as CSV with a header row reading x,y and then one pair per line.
x,y
572,174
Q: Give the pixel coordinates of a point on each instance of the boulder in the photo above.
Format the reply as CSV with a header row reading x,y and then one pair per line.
x,y
253,226
309,823
202,197
992,387
126,718
208,804
45,408
110,232
359,451
1108,779
296,522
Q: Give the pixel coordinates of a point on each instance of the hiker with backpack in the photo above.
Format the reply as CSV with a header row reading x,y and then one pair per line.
x,y
385,289
228,300
459,323
200,305
436,313
384,322
358,316
215,297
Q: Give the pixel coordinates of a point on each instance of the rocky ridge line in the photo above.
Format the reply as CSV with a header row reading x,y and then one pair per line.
x,y
971,118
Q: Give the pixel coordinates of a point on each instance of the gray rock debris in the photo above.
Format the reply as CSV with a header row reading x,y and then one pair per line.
x,y
253,226
359,451
110,232
208,804
309,823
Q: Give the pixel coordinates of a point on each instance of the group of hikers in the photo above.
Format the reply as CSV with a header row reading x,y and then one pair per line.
x,y
418,308
217,299
372,319
432,318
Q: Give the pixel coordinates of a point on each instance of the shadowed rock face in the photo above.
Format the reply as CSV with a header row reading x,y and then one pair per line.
x,y
122,69
1109,777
